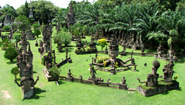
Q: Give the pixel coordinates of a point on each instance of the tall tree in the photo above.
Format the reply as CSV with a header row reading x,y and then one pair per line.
x,y
26,10
37,9
8,10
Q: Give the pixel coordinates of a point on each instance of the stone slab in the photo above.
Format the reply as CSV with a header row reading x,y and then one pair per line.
x,y
48,77
158,89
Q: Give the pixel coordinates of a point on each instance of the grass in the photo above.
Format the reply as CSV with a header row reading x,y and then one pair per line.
x,y
71,93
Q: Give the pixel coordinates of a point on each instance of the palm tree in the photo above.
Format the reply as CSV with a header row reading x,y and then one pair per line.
x,y
88,14
172,23
147,22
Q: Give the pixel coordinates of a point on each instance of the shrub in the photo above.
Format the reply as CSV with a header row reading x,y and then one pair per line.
x,y
55,72
65,37
102,43
22,21
6,28
37,32
17,36
15,71
116,65
10,53
35,26
101,59
176,77
6,43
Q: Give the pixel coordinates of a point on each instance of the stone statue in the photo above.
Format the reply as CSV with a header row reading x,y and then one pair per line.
x,y
152,78
48,61
123,81
93,72
70,77
70,19
27,84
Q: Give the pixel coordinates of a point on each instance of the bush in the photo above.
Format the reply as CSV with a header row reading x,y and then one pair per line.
x,y
53,23
102,43
101,59
10,53
36,26
17,36
15,71
6,43
55,72
22,21
37,32
63,36
6,28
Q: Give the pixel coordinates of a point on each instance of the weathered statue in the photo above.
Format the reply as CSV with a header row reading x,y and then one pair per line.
x,y
27,84
93,73
70,77
123,81
168,72
152,78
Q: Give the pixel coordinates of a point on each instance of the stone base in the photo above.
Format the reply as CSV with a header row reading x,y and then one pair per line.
x,y
27,94
123,53
149,91
123,86
48,77
71,79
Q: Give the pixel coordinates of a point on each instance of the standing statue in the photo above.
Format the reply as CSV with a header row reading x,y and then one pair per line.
x,y
27,84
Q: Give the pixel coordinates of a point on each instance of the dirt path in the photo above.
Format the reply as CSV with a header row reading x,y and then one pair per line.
x,y
6,94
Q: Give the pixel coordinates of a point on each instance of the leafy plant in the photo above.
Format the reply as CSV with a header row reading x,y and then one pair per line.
x,y
15,71
103,58
36,26
10,53
55,72
6,28
116,65
37,32
23,22
102,43
176,77
17,36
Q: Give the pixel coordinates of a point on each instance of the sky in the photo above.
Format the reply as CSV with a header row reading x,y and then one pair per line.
x,y
17,3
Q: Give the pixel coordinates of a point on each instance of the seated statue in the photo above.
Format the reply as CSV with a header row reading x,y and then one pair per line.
x,y
152,78
168,73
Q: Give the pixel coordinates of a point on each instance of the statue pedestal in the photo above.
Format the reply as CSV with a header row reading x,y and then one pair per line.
x,y
48,77
123,86
27,94
162,87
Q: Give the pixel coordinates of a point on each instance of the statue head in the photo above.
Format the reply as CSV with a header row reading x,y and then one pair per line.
x,y
156,64
70,7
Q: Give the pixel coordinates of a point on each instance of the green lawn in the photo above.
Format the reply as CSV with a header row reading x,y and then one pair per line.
x,y
71,93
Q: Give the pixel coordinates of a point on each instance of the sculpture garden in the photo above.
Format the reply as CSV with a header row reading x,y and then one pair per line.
x,y
72,93
121,73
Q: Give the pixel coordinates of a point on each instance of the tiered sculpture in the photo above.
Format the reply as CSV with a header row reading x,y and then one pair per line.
x,y
70,19
113,53
24,63
45,46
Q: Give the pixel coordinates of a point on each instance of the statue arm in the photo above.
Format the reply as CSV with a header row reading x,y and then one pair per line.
x,y
36,80
17,83
142,81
